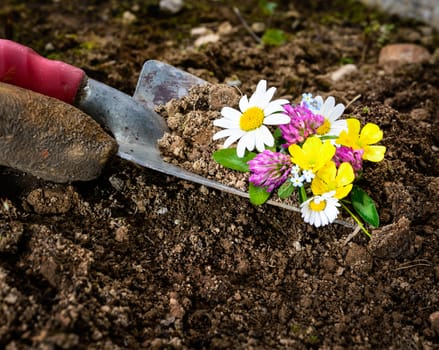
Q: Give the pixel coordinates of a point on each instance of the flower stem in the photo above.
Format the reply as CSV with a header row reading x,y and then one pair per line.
x,y
357,220
246,26
302,194
352,101
329,137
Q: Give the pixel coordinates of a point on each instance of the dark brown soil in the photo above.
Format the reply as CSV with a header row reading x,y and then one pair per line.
x,y
140,260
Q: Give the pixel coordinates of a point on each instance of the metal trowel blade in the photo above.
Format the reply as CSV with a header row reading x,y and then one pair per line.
x,y
160,82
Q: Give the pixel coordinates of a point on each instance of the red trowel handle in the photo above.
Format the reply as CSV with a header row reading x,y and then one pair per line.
x,y
21,66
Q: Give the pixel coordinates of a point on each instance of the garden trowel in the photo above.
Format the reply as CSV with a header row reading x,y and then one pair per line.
x,y
131,120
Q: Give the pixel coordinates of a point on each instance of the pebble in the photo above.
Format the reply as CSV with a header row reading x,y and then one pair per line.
x,y
200,31
128,18
171,6
258,27
206,35
434,320
162,210
398,54
121,234
343,72
297,246
225,28
205,39
49,47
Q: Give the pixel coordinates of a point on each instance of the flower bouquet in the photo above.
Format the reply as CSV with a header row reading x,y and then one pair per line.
x,y
311,151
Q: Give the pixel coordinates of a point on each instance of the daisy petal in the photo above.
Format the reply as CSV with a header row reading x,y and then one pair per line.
x,y
260,146
240,149
243,103
256,98
324,218
264,99
277,119
223,133
315,219
247,141
275,106
226,123
336,112
261,88
232,138
261,138
338,126
327,106
260,91
231,113
266,136
319,100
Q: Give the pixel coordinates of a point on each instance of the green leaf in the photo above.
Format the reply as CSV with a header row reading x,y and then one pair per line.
x,y
274,37
278,140
228,158
267,7
270,7
258,195
277,134
302,194
285,190
364,206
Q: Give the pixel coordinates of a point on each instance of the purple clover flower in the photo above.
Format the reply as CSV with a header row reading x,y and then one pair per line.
x,y
303,124
269,169
347,154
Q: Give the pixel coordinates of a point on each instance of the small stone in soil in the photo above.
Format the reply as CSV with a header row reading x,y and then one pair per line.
x,y
434,320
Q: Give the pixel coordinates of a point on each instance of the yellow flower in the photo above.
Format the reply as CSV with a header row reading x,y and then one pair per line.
x,y
369,135
329,178
313,154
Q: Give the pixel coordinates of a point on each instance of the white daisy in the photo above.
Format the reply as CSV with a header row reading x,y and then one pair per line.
x,y
320,210
332,126
248,125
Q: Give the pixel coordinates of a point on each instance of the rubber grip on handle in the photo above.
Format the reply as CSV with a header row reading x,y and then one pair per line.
x,y
22,66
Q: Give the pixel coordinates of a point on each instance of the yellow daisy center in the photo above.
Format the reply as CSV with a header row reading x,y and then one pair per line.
x,y
251,119
324,128
317,206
